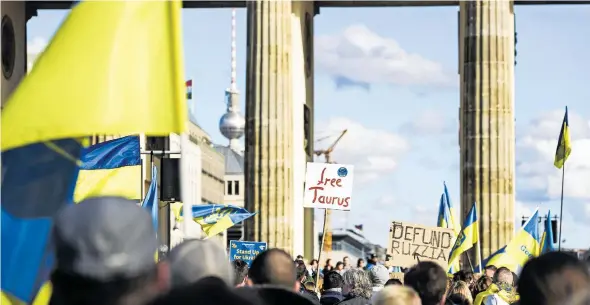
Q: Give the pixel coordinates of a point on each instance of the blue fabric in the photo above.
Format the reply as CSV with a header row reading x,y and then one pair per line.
x,y
37,181
112,154
216,211
150,202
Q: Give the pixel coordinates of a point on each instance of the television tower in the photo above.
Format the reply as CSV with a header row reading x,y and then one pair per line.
x,y
232,124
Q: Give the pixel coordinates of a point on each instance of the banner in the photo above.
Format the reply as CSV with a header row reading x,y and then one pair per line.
x,y
328,186
410,244
245,250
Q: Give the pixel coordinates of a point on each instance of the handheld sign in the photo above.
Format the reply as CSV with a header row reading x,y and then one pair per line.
x,y
245,250
328,186
410,244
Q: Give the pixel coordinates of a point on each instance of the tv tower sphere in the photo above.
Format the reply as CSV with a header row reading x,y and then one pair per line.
x,y
232,125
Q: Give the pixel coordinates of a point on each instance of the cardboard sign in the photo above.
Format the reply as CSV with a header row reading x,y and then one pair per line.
x,y
410,244
245,250
397,275
328,186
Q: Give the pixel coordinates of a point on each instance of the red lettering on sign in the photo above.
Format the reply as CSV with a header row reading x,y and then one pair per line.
x,y
328,200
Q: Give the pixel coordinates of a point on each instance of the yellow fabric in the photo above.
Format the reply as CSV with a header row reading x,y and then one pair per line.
x,y
123,181
42,297
113,67
467,238
518,251
564,145
494,289
221,225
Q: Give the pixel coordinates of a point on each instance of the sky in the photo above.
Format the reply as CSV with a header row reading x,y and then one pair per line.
x,y
400,105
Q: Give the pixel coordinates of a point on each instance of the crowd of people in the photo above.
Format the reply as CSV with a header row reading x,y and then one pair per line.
x,y
105,256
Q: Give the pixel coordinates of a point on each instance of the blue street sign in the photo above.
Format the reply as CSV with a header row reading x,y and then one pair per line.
x,y
245,250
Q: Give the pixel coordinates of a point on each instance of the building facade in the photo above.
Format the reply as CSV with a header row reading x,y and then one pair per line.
x,y
351,243
234,186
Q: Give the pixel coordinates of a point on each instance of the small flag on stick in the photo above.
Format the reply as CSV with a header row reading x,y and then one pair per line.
x,y
189,89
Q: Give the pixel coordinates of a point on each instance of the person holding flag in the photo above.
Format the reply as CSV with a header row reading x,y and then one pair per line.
x,y
467,238
562,152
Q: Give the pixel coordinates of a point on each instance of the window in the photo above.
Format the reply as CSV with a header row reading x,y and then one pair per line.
x,y
337,246
236,187
229,188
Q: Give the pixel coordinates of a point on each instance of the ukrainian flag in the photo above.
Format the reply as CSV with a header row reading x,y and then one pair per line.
x,y
446,220
216,218
564,145
151,201
495,256
110,168
547,238
468,236
521,248
89,80
37,180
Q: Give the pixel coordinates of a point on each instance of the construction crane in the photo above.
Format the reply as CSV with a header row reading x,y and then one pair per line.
x,y
327,235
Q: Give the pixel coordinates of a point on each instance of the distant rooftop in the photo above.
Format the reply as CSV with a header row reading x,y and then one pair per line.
x,y
234,161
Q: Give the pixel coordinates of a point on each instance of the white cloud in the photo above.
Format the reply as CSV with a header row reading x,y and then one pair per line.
x,y
431,122
373,152
537,150
34,48
361,55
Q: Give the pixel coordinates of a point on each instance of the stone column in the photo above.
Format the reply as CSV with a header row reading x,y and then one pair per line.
x,y
269,124
487,118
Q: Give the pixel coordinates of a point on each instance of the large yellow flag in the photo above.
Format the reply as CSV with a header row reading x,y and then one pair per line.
x,y
114,67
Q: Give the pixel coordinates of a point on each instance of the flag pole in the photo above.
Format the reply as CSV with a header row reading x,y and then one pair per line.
x,y
187,208
561,205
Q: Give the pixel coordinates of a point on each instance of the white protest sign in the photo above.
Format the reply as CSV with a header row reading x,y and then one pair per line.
x,y
328,186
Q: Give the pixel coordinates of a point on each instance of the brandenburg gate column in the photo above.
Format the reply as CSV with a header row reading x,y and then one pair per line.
x,y
487,118
269,124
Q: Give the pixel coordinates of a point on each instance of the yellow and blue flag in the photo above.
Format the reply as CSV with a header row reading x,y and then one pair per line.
x,y
547,239
495,256
151,201
111,168
468,237
447,220
564,145
37,180
522,247
216,218
61,101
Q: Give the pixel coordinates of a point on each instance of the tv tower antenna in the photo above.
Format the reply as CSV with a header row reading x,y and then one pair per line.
x,y
232,124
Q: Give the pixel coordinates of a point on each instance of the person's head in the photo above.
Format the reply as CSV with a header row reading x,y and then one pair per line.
x,y
274,267
309,285
101,257
393,282
360,263
396,295
481,285
357,284
461,288
333,280
314,263
464,276
240,272
346,261
429,280
503,276
373,259
299,257
329,262
195,259
301,272
552,279
339,266
490,270
378,275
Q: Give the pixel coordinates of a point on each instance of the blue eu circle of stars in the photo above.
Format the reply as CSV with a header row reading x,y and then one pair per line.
x,y
342,172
